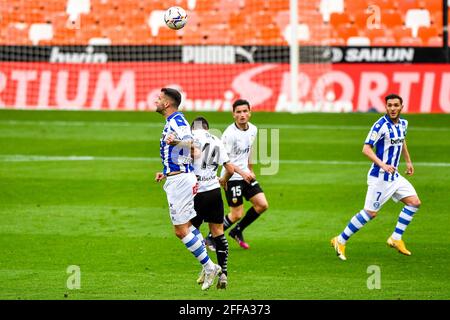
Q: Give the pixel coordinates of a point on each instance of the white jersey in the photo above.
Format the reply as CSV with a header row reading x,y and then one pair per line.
x,y
213,155
388,139
238,144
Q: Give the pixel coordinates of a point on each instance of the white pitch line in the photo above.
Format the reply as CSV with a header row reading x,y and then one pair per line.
x,y
36,158
161,124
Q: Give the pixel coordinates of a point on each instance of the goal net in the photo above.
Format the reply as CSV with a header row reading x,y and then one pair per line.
x,y
117,54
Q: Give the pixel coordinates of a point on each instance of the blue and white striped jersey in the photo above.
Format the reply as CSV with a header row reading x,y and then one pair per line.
x,y
175,158
387,138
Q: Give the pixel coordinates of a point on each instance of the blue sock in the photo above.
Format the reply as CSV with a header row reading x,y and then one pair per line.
x,y
356,223
404,219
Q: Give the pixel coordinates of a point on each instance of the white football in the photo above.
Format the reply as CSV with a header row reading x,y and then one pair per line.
x,y
175,18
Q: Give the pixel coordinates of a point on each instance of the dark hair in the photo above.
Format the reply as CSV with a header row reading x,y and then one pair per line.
x,y
393,96
174,95
198,123
240,102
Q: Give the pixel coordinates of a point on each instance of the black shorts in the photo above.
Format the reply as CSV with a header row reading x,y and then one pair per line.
x,y
209,207
239,188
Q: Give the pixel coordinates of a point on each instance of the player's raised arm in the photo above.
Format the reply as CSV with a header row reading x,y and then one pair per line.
x,y
409,166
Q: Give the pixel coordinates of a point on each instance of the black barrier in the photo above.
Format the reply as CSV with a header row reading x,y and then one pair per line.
x,y
221,54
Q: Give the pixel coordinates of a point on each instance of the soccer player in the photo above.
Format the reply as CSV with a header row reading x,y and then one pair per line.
x,y
238,140
388,136
209,154
181,183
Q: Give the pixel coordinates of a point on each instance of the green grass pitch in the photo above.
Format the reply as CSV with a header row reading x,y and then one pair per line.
x,y
77,188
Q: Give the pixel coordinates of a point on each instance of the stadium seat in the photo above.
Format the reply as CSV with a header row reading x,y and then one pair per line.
x,y
416,18
391,18
236,20
17,33
430,5
259,18
359,19
375,33
334,41
200,5
355,6
346,32
435,41
358,41
141,34
318,33
401,32
219,36
272,6
226,7
40,31
384,5
410,42
195,38
310,17
425,33
270,34
100,41
436,19
339,18
405,5
384,41
327,7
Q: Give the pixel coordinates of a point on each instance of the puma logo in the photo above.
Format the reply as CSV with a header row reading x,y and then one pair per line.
x,y
247,54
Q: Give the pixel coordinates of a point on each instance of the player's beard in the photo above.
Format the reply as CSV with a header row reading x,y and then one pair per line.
x,y
160,109
394,117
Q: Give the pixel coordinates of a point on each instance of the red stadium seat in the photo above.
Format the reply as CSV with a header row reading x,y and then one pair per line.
x,y
384,5
436,19
347,31
259,18
310,16
435,41
271,35
334,41
219,39
274,6
401,32
426,33
391,18
404,5
375,33
355,6
337,19
384,41
226,7
360,19
410,42
430,5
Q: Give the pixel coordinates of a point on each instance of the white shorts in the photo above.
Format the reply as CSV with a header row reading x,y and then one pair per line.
x,y
180,190
380,191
